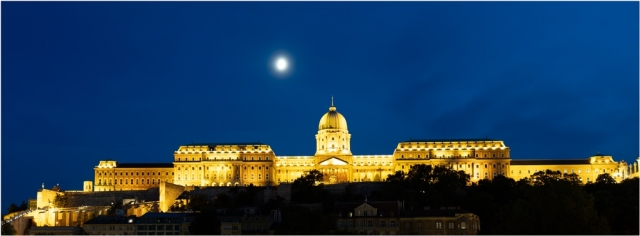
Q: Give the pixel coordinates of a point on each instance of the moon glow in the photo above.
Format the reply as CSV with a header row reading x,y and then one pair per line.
x,y
282,64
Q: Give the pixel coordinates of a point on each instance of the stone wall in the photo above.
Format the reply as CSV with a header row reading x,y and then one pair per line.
x,y
46,197
168,194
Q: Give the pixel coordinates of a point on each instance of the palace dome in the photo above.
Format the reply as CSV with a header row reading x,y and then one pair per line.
x,y
332,120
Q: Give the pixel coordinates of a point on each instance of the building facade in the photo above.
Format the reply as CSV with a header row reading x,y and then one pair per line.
x,y
243,164
390,218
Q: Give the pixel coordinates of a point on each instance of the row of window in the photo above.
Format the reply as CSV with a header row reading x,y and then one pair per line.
x,y
486,174
266,158
121,173
469,166
565,171
452,156
407,225
450,145
370,223
129,181
159,227
111,227
237,168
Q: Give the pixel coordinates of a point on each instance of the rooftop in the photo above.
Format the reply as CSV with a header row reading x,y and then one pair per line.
x,y
223,144
147,165
452,140
434,212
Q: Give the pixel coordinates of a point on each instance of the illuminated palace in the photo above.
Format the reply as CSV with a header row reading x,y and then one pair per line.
x,y
242,164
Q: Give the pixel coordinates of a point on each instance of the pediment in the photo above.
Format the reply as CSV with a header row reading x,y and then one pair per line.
x,y
365,206
333,161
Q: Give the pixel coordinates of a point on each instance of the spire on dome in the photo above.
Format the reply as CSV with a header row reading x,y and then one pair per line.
x,y
331,100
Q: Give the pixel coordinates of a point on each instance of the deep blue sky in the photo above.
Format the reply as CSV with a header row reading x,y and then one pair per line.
x,y
83,82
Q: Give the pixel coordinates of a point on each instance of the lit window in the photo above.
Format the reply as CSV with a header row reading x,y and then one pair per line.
x,y
438,225
451,225
463,225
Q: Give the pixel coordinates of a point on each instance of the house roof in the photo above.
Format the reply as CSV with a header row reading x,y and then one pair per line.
x,y
112,220
346,207
222,144
432,213
451,140
144,165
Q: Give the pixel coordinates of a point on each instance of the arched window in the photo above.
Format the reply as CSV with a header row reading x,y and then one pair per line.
x,y
120,181
99,182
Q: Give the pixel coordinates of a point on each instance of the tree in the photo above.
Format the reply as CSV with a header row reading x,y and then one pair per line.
x,y
551,206
206,223
197,202
544,177
307,189
7,229
60,201
302,221
605,178
435,186
309,179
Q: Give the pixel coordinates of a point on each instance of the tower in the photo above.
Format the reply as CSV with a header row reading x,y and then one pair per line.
x,y
333,138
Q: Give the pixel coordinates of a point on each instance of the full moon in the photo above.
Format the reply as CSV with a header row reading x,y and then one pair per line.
x,y
281,64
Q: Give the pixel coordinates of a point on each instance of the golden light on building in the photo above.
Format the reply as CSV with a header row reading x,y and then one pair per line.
x,y
243,164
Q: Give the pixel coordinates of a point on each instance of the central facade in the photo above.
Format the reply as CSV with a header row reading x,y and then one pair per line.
x,y
243,164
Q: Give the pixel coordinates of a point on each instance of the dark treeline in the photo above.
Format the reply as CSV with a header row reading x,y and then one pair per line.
x,y
547,202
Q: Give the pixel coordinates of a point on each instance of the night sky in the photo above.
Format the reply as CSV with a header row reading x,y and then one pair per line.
x,y
84,82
